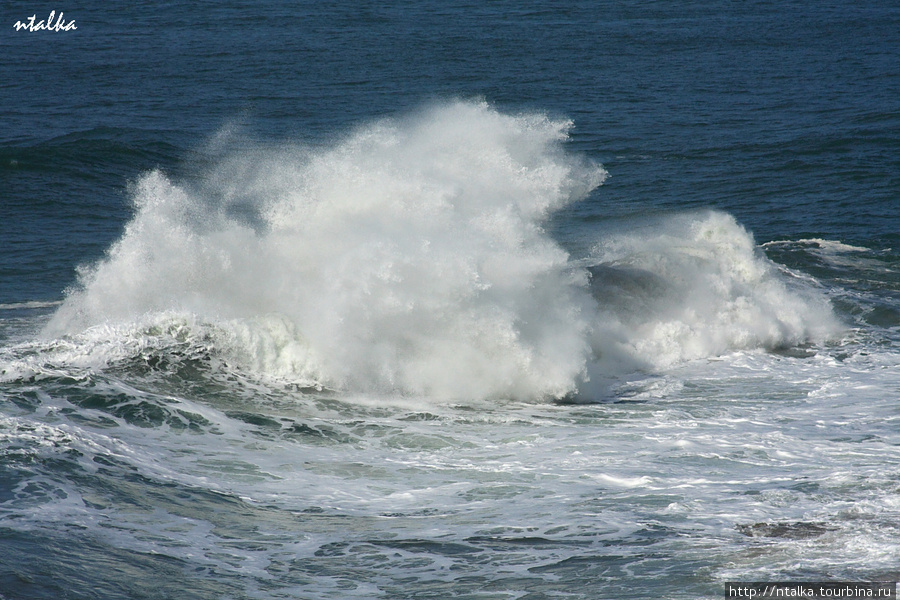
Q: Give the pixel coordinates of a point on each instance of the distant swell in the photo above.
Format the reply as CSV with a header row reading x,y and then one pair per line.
x,y
410,258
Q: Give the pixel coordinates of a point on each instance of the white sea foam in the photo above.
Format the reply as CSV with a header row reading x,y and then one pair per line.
x,y
827,245
410,257
695,286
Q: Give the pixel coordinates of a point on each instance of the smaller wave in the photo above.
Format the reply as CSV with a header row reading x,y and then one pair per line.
x,y
866,268
112,149
696,286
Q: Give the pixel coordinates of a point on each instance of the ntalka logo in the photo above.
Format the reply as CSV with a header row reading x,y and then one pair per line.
x,y
49,25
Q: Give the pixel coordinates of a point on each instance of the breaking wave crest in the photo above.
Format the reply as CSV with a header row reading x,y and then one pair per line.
x,y
696,286
411,257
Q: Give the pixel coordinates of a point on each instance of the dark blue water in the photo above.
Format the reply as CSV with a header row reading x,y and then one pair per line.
x,y
782,118
779,113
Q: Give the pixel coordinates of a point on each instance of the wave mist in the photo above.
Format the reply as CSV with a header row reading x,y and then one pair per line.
x,y
410,257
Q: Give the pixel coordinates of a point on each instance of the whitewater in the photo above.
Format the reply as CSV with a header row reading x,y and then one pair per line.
x,y
378,366
412,258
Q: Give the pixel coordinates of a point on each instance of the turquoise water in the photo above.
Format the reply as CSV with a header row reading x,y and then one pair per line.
x,y
470,301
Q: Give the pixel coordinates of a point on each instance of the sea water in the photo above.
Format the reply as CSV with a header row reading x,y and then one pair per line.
x,y
449,302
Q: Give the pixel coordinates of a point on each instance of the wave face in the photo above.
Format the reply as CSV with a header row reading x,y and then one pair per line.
x,y
410,257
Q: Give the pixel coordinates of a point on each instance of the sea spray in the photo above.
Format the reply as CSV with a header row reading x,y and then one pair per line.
x,y
410,258
695,285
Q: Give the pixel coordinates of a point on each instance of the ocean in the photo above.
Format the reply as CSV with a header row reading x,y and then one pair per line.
x,y
448,300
